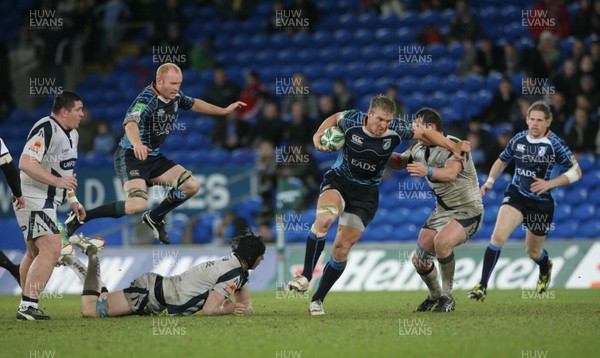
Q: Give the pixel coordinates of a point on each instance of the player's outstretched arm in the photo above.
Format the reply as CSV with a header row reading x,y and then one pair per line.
x,y
446,174
495,172
217,305
132,130
331,121
436,138
397,161
203,107
541,186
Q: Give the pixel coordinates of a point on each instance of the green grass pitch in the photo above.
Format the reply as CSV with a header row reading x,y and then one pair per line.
x,y
561,323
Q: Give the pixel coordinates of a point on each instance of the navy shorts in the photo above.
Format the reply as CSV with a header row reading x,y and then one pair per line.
x,y
128,167
361,200
537,214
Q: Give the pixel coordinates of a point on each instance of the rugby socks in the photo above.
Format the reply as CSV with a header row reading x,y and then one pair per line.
x,y
314,247
447,265
9,266
79,269
543,263
27,302
333,270
429,276
492,253
175,197
111,210
91,284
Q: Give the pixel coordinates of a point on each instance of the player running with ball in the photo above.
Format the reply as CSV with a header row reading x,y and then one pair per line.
x,y
538,154
350,188
457,215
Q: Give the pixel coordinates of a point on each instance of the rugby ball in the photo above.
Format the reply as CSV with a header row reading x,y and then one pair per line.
x,y
333,139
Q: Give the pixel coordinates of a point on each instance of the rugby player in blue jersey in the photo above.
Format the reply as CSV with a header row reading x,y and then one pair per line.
x,y
350,188
139,163
539,155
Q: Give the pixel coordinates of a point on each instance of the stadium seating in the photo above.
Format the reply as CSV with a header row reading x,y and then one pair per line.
x,y
361,48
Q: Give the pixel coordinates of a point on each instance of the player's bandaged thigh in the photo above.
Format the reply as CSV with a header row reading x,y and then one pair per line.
x,y
137,193
183,176
352,220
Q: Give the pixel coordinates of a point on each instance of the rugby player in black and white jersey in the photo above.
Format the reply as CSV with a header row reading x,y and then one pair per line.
x,y
47,178
207,286
139,163
11,172
458,211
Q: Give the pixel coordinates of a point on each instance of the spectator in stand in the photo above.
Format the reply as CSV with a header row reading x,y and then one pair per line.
x,y
303,95
582,27
486,144
464,24
582,136
489,57
300,128
307,10
253,95
172,14
589,90
111,15
560,114
87,131
551,10
326,106
430,34
105,140
502,104
266,167
306,171
549,50
274,23
586,67
234,134
269,127
566,81
512,60
201,57
595,20
221,93
343,98
468,59
577,51
392,93
595,52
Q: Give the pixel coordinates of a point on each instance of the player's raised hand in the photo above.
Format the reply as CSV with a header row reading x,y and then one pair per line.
x,y
68,182
141,151
232,107
539,186
485,187
18,202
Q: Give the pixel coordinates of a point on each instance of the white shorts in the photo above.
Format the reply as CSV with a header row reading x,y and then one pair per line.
x,y
35,221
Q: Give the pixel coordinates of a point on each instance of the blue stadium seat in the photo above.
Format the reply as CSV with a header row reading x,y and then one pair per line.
x,y
562,212
586,162
589,229
363,86
343,37
576,196
330,54
350,52
473,83
364,36
566,230
583,212
455,50
322,38
429,84
409,19
406,35
301,40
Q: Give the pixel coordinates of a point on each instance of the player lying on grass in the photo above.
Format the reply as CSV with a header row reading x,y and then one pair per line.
x,y
538,154
205,287
457,215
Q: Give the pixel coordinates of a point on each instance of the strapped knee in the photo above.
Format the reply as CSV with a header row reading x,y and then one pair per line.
x,y
137,193
185,175
102,307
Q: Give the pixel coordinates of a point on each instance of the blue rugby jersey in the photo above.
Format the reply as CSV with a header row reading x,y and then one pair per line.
x,y
536,158
363,158
156,117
